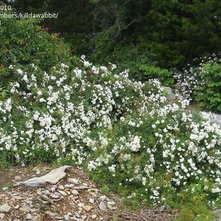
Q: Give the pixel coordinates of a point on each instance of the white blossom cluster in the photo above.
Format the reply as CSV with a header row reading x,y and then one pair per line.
x,y
109,121
193,77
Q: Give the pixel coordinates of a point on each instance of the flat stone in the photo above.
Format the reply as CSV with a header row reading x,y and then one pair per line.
x,y
81,187
94,216
74,192
5,208
61,187
2,215
55,196
170,93
91,200
29,217
80,205
103,198
63,193
102,207
87,208
218,118
25,209
53,177
5,188
73,180
69,186
17,178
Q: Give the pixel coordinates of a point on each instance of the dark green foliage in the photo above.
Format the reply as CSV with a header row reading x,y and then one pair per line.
x,y
151,72
23,42
209,95
167,33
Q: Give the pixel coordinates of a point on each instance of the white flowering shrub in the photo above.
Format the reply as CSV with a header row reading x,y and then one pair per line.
x,y
202,84
124,131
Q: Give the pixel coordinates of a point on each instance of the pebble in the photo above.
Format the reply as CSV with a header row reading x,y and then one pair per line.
x,y
62,193
91,200
94,216
46,192
5,188
25,209
5,208
69,186
74,192
102,207
2,215
29,217
81,187
16,207
80,205
55,196
17,178
61,187
73,180
87,208
103,198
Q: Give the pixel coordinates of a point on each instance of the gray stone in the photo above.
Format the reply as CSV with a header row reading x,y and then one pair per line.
x,y
102,207
218,118
29,217
170,93
5,208
74,192
217,214
215,118
73,180
91,200
53,177
81,187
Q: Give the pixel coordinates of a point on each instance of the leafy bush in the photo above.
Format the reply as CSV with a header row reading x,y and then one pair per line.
x,y
208,95
23,42
151,72
114,126
156,150
202,84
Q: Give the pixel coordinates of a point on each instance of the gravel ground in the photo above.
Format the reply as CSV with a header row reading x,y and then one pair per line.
x,y
74,197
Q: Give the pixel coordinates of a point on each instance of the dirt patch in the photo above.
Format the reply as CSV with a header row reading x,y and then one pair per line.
x,y
75,197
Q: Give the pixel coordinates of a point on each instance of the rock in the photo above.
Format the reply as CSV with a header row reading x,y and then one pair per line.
x,y
61,187
218,118
2,215
87,208
25,209
53,177
73,180
102,207
5,208
69,186
17,178
62,193
29,216
74,192
81,205
170,93
217,214
81,187
94,216
16,207
5,188
55,196
110,205
91,200
103,198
